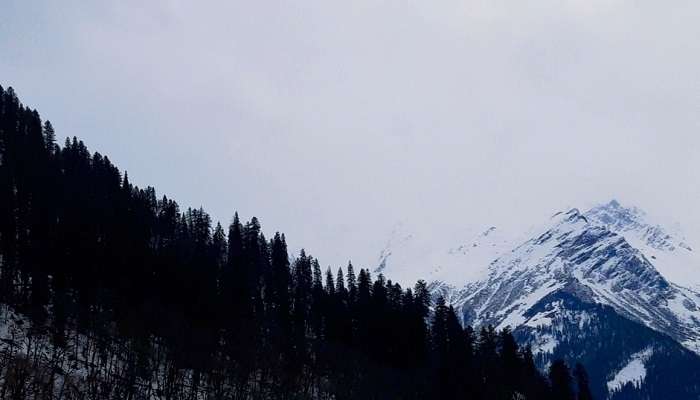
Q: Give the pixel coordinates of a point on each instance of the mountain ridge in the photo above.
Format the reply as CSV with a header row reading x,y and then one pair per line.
x,y
610,258
573,249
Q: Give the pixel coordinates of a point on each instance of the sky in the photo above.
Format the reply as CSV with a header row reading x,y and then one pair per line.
x,y
335,121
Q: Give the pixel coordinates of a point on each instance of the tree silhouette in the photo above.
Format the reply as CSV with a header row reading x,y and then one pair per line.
x,y
560,378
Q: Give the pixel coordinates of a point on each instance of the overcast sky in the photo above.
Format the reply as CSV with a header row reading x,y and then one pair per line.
x,y
333,121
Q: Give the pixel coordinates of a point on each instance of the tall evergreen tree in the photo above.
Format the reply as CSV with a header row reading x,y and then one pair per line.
x,y
352,283
330,282
582,384
560,379
340,285
49,137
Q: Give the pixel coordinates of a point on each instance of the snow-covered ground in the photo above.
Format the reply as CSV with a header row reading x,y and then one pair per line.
x,y
634,371
81,365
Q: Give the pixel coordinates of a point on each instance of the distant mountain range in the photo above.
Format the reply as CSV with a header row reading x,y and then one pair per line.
x,y
605,286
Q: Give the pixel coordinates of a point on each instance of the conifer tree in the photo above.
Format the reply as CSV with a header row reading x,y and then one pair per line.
x,y
438,329
318,303
560,380
330,283
340,285
49,137
352,284
582,384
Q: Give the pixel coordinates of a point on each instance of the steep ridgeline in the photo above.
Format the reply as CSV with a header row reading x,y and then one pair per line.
x,y
580,288
602,263
664,247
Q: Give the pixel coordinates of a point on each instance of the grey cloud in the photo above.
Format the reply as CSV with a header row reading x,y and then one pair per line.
x,y
332,121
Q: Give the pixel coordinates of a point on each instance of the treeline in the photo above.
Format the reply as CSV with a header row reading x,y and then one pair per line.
x,y
158,302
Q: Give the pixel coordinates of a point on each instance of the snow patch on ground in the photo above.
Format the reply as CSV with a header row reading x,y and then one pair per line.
x,y
545,344
634,371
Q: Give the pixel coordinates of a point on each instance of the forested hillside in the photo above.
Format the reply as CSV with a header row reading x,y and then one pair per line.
x,y
112,292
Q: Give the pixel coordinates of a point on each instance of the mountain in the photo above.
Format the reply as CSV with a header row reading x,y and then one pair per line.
x,y
607,277
410,253
601,263
664,247
626,359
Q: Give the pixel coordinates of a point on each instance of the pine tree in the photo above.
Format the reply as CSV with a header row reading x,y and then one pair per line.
x,y
302,284
582,384
340,285
277,299
317,278
318,303
49,137
233,290
419,331
364,283
330,283
219,250
438,328
560,380
363,309
487,354
352,284
279,278
509,360
440,348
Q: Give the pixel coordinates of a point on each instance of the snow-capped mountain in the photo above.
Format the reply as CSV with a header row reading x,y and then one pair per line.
x,y
410,254
574,284
464,255
664,247
611,254
602,266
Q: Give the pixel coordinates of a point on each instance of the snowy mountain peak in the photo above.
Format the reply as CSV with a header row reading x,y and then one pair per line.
x,y
573,216
667,249
566,281
575,250
624,220
411,254
616,217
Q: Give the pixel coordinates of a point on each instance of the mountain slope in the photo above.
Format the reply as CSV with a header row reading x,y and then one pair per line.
x,y
624,358
606,286
410,254
606,268
666,248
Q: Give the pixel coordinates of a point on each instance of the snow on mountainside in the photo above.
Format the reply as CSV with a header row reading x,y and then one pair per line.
x,y
634,371
603,267
625,359
612,255
454,259
667,249
608,279
410,255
